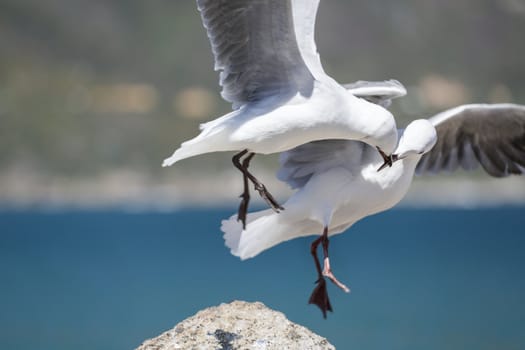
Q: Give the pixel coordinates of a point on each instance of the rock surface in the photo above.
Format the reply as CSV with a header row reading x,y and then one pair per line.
x,y
237,325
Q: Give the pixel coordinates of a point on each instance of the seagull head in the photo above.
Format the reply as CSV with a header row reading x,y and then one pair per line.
x,y
417,139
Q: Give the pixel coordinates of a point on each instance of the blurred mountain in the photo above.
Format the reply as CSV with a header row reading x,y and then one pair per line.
x,y
91,88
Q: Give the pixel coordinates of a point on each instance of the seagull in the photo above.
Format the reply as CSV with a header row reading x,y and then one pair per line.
x,y
337,182
281,97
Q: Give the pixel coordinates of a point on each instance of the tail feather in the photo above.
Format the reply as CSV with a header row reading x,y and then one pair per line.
x,y
189,149
211,139
232,229
264,229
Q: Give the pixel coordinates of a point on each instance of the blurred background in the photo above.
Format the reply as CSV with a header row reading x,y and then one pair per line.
x,y
101,248
95,94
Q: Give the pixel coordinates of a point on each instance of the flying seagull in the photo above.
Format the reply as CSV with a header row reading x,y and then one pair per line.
x,y
281,97
338,183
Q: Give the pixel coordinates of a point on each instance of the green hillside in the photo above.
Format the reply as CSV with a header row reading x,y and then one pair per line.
x,y
87,87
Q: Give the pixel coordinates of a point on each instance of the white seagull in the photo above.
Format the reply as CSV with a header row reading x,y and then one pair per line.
x,y
338,183
271,73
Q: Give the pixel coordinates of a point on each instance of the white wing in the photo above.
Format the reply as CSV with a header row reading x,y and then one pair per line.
x,y
262,48
378,92
299,164
304,15
490,135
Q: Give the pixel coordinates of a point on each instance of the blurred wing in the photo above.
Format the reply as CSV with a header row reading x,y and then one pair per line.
x,y
490,135
378,92
300,163
258,47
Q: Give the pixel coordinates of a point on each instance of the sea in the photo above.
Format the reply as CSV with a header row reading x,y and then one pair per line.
x,y
420,278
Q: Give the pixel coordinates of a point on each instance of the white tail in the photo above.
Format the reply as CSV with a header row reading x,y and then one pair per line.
x,y
211,139
188,149
264,229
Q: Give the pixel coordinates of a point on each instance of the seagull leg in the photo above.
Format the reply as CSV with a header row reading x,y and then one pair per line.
x,y
243,207
263,192
327,271
319,295
259,187
267,196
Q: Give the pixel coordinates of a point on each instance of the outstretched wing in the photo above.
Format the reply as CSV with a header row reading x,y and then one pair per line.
x,y
490,135
300,163
261,47
378,92
304,15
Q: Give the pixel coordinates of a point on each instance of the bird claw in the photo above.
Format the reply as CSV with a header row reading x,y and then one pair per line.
x,y
268,198
263,192
320,298
388,159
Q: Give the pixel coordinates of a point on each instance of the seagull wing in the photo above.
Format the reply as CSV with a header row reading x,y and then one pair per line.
x,y
378,92
300,163
262,48
304,15
490,135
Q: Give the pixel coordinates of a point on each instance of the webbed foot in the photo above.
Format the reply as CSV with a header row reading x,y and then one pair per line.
x,y
320,298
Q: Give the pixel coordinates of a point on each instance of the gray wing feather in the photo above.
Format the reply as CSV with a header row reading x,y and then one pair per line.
x,y
300,163
378,92
469,135
255,49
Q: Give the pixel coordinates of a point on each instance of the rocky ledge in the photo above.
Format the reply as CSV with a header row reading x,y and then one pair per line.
x,y
237,325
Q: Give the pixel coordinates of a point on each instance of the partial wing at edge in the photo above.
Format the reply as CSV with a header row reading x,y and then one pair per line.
x,y
255,48
469,135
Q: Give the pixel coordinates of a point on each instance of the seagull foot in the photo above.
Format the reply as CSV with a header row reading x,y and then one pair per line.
x,y
327,272
320,298
243,209
388,159
268,198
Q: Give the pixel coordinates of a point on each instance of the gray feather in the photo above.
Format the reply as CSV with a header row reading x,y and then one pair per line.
x,y
255,48
490,135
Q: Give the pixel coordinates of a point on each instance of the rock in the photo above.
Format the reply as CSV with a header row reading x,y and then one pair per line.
x,y
234,326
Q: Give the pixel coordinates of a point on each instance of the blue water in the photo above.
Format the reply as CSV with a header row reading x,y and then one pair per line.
x,y
420,279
